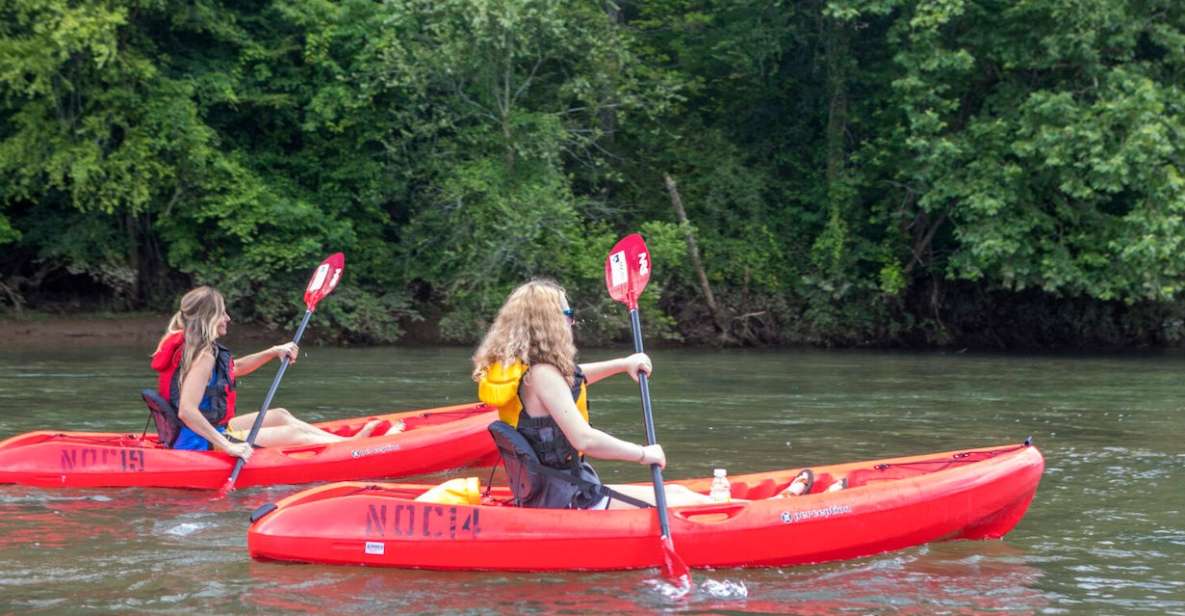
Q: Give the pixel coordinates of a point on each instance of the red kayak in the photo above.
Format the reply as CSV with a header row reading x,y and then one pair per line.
x,y
887,505
432,440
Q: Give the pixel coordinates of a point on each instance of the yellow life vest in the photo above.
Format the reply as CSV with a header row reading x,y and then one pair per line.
x,y
499,388
460,491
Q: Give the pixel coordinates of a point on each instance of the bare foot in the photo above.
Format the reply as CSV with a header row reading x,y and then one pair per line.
x,y
368,429
801,484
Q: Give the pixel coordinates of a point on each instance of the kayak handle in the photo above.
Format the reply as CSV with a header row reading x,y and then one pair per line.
x,y
712,513
305,451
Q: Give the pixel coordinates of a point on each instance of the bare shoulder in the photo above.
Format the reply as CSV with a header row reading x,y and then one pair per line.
x,y
544,379
204,360
544,373
547,389
202,366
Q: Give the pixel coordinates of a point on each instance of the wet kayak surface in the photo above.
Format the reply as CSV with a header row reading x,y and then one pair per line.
x,y
1103,535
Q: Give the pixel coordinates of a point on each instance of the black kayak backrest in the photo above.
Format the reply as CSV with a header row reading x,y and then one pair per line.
x,y
168,424
519,459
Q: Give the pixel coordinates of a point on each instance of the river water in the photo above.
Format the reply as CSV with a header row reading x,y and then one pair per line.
x,y
1104,535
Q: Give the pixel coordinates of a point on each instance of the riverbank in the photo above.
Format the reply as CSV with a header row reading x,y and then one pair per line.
x,y
42,330
38,330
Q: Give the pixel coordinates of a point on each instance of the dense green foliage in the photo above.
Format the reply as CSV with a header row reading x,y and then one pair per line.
x,y
854,171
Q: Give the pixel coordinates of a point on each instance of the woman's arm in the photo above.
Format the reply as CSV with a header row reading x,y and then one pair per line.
x,y
598,370
247,365
555,395
192,390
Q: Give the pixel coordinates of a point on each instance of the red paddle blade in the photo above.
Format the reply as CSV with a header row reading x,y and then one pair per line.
x,y
627,270
224,491
673,567
324,279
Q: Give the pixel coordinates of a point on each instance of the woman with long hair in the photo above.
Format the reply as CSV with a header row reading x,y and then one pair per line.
x,y
198,376
526,366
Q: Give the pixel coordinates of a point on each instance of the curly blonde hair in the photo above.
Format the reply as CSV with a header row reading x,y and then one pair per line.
x,y
531,328
201,310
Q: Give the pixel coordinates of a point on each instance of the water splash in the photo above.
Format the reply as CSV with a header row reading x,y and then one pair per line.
x,y
185,528
724,589
707,589
669,591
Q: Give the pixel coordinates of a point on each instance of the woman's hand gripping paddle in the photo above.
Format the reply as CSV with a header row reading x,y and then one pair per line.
x,y
322,283
627,270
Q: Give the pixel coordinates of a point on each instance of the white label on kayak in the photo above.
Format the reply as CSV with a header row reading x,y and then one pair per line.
x,y
376,547
374,451
789,517
319,277
618,273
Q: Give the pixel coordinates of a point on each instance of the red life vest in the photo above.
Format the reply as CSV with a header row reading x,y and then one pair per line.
x,y
218,401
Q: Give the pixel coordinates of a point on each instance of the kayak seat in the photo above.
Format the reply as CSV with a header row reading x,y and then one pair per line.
x,y
520,460
168,424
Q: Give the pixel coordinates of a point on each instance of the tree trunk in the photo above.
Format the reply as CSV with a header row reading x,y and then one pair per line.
x,y
836,58
607,115
836,50
134,297
14,297
696,264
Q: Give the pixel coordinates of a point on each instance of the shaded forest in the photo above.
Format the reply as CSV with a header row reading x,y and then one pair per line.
x,y
977,173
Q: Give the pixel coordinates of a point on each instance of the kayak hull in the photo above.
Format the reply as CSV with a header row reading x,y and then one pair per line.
x,y
433,440
381,524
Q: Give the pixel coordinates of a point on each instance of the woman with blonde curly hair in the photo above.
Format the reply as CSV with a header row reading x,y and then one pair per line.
x,y
526,366
197,375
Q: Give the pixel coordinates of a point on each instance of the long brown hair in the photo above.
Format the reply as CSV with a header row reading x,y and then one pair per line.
x,y
201,309
531,328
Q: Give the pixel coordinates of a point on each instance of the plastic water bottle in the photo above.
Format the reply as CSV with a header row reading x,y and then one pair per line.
x,y
721,491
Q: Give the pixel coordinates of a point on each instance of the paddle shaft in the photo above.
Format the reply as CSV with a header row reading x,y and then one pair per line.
x,y
267,400
660,492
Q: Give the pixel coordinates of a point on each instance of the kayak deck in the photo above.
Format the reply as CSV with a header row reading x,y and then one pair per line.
x,y
888,504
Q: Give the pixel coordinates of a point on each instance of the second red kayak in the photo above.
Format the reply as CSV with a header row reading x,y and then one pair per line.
x,y
887,505
431,440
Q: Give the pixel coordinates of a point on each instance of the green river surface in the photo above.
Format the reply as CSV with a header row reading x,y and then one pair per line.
x,y
1104,535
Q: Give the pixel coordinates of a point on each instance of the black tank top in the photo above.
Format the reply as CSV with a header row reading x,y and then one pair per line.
x,y
546,437
555,451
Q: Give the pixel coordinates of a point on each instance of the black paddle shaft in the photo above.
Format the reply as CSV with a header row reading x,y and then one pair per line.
x,y
267,401
660,492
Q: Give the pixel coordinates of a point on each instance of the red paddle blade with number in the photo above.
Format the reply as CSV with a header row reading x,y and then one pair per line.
x,y
321,283
627,270
324,279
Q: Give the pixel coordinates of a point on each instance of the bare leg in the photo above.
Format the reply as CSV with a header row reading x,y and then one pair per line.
x,y
281,417
287,436
369,429
677,496
274,417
